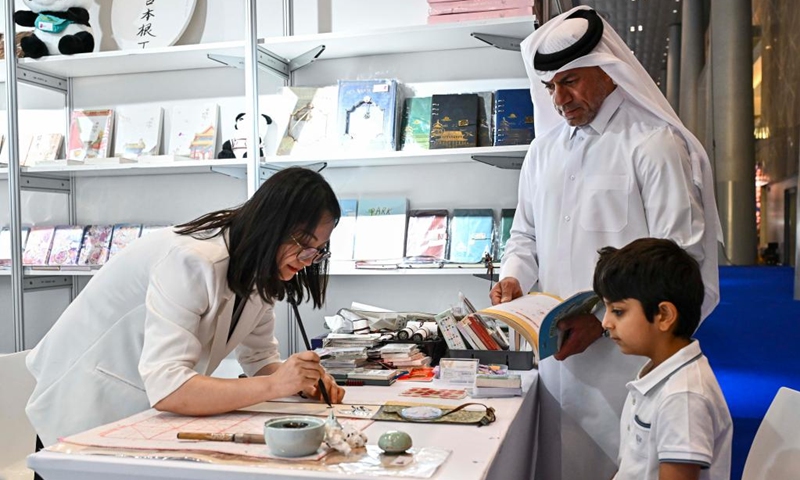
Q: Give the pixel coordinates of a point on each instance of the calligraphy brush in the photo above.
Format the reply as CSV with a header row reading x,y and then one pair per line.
x,y
320,383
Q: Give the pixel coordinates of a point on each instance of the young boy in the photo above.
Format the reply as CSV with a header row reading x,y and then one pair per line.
x,y
675,423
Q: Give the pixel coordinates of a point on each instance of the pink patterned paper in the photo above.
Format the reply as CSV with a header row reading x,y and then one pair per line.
x,y
66,245
464,17
468,6
96,244
37,249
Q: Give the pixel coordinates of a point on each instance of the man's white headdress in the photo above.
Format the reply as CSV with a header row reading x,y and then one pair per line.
x,y
581,38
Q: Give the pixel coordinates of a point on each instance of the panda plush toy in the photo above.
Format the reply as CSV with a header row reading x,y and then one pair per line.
x,y
236,147
60,27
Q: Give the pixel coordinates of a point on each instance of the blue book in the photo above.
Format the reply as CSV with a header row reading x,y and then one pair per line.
x,y
513,117
343,236
368,117
471,234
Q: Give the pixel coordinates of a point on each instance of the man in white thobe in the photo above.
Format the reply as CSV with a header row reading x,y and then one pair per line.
x,y
611,163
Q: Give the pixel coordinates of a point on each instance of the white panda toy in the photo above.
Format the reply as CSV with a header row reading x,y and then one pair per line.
x,y
60,27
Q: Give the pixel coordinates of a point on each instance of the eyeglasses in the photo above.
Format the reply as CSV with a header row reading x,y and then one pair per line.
x,y
315,255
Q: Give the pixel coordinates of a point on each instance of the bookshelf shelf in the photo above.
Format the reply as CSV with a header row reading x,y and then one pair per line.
x,y
119,62
175,167
386,158
413,39
35,272
344,267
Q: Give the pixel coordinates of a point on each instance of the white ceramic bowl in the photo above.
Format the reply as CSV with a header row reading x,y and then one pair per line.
x,y
294,436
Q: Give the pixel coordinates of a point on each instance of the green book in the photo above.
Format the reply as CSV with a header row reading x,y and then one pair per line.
x,y
506,219
416,123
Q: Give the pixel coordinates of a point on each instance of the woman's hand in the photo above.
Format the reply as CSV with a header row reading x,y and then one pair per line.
x,y
299,373
335,392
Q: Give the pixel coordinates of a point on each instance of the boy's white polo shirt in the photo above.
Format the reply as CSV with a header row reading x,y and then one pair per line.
x,y
676,413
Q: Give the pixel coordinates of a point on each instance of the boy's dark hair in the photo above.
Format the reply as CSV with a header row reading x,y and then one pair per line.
x,y
653,270
291,202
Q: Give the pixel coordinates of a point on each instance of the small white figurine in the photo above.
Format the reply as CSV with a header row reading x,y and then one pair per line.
x,y
343,439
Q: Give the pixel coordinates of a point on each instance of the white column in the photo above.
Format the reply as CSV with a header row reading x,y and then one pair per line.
x,y
692,59
732,65
674,66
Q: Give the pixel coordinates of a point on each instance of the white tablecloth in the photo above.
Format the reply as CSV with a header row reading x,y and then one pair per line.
x,y
503,450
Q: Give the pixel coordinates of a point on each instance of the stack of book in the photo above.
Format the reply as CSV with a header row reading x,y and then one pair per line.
x,y
404,355
344,357
444,11
492,386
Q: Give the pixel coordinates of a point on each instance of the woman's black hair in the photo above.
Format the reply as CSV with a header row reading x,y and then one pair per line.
x,y
653,270
290,203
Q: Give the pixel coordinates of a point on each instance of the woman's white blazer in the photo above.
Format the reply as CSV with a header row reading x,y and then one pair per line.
x,y
154,316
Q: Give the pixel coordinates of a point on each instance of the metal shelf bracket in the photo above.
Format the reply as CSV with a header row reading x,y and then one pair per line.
x,y
45,283
266,170
500,41
506,162
234,172
44,80
44,184
271,63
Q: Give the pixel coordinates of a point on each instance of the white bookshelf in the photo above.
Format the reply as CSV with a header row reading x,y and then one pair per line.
x,y
412,39
49,272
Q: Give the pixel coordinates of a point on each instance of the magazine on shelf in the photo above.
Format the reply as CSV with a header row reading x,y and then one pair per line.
x,y
90,134
193,131
380,228
343,236
37,248
427,233
44,147
5,245
138,131
66,245
122,236
96,244
535,316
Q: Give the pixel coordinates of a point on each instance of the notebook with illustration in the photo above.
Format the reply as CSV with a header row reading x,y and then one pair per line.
x,y
369,114
193,131
66,245
90,134
44,147
380,228
37,248
427,233
343,236
312,123
96,245
471,234
416,127
122,236
5,245
513,117
454,121
138,131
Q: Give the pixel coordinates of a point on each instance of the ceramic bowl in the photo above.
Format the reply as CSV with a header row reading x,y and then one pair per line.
x,y
294,436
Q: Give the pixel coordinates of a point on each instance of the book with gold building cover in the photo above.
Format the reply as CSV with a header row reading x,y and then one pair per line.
x,y
454,121
513,117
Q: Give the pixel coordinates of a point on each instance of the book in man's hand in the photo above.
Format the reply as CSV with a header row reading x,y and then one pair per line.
x,y
536,316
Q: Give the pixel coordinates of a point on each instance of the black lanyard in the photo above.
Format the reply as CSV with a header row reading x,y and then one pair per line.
x,y
238,308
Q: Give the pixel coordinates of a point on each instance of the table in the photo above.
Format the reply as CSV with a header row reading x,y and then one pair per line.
x,y
502,450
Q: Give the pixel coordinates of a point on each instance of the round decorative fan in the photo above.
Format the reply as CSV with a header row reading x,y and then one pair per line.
x,y
139,24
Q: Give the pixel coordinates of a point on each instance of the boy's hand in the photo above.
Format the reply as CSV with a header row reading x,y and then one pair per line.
x,y
579,332
505,290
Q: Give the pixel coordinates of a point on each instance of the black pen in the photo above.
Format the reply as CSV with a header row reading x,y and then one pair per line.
x,y
320,383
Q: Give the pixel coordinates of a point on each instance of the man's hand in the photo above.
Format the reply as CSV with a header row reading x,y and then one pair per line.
x,y
335,392
505,290
579,332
